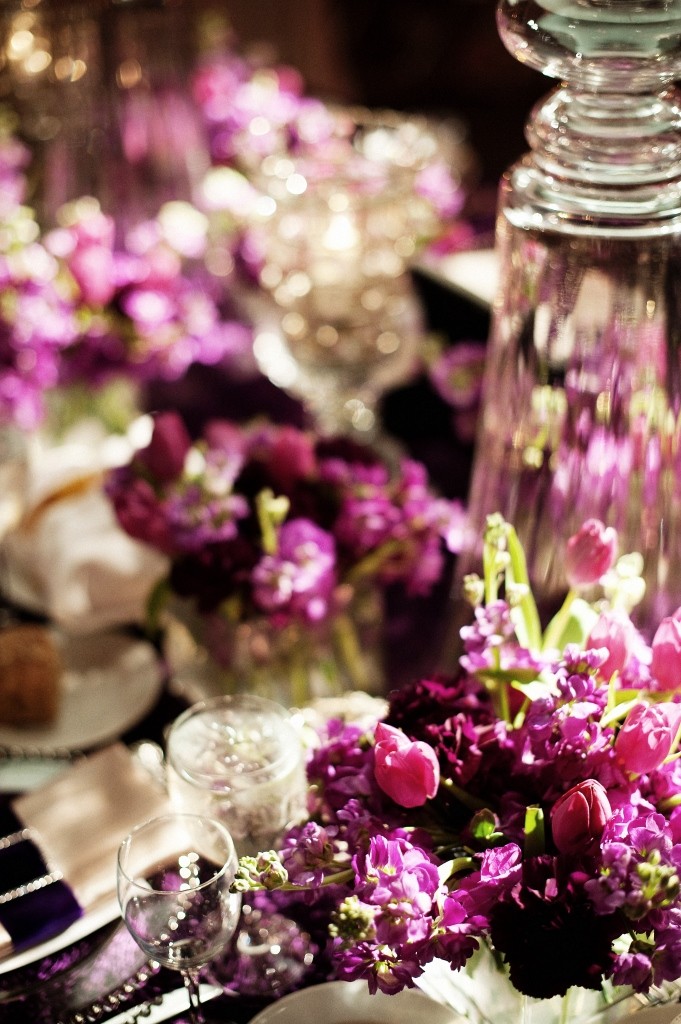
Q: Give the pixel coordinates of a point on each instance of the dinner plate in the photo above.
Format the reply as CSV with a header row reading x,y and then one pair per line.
x,y
350,1002
110,682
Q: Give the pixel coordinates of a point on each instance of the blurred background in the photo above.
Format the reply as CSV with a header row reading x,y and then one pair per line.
x,y
442,57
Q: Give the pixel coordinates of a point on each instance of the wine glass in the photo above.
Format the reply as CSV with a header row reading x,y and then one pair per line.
x,y
338,225
239,758
174,876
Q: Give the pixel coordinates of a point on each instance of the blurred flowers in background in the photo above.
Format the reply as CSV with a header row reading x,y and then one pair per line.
x,y
267,524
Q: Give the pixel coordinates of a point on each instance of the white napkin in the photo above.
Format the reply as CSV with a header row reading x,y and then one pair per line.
x,y
68,558
82,816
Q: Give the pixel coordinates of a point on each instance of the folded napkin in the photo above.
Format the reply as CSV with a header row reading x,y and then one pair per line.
x,y
60,862
68,558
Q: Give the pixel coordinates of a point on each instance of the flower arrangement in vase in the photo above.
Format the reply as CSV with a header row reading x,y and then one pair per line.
x,y
281,544
529,804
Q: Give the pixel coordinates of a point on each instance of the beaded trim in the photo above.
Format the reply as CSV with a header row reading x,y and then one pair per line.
x,y
41,882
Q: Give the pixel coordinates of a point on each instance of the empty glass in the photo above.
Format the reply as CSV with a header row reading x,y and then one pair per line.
x,y
239,759
174,877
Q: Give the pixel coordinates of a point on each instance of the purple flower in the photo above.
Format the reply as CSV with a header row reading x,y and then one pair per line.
x,y
639,870
457,374
197,518
299,579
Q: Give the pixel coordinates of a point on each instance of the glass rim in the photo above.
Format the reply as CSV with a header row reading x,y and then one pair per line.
x,y
222,782
168,819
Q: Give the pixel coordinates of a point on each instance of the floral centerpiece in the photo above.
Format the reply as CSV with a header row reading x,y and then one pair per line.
x,y
281,544
80,308
529,804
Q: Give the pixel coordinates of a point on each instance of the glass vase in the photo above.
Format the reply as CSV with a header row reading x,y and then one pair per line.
x,y
582,395
293,664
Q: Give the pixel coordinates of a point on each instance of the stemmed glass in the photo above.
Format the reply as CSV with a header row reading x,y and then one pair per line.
x,y
338,226
174,875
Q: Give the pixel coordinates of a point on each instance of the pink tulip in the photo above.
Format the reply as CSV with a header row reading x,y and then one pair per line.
x,y
590,553
666,664
646,736
93,270
614,631
407,770
578,818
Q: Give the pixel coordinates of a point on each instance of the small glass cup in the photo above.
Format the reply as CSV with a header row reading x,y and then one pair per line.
x,y
239,759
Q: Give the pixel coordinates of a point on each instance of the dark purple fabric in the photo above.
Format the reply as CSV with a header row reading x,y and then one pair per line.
x,y
34,916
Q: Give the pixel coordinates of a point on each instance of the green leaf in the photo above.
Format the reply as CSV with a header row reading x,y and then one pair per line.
x,y
536,689
623,705
535,839
528,626
448,869
579,623
484,824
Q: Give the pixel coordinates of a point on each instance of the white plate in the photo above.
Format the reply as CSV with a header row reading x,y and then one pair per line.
x,y
110,682
350,1002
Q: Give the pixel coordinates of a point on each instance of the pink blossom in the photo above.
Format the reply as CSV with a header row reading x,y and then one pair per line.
x,y
666,663
407,770
615,632
590,553
579,817
92,269
645,738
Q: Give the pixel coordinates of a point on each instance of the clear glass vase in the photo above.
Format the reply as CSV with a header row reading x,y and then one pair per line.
x,y
293,664
582,394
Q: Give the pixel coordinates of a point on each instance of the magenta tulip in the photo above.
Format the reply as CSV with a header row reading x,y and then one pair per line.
x,y
615,632
406,770
579,817
666,663
590,553
646,737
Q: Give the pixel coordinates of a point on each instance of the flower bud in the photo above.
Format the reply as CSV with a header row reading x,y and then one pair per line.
x,y
164,456
614,631
666,663
590,553
578,818
646,736
406,770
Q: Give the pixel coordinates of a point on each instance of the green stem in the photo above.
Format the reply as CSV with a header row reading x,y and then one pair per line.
x,y
338,878
467,799
558,623
372,562
528,629
345,637
300,679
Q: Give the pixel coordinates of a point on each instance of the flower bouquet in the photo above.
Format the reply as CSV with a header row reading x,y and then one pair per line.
x,y
529,805
281,546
